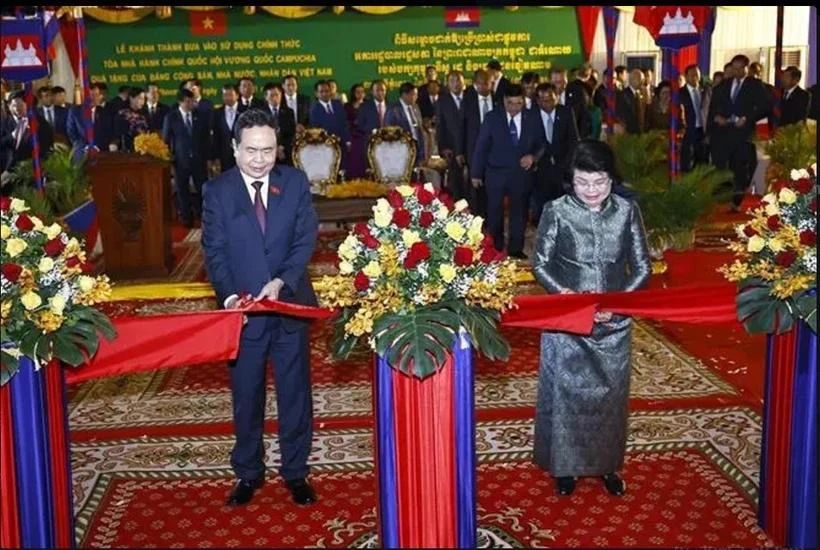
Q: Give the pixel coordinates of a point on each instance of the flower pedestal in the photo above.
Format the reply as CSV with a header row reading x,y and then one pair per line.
x,y
36,509
787,509
425,454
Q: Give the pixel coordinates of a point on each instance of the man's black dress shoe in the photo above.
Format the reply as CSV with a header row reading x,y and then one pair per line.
x,y
243,491
301,491
614,484
565,485
518,255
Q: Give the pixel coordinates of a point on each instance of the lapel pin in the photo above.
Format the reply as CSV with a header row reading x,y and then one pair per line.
x,y
274,190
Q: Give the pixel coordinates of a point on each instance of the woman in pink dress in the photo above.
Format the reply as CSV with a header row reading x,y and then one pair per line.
x,y
357,161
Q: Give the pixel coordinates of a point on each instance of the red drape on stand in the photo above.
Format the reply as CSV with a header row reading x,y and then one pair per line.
x,y
688,56
68,30
10,524
587,25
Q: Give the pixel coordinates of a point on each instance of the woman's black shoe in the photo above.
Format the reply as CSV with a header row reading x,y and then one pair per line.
x,y
614,484
565,485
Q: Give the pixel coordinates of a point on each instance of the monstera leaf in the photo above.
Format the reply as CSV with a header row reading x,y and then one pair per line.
x,y
417,343
760,312
806,306
480,323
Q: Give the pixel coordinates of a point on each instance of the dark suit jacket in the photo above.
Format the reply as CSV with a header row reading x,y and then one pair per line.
x,y
564,138
60,125
255,103
498,95
450,124
191,150
423,100
688,106
630,111
302,108
472,122
335,123
495,149
286,129
116,104
751,102
427,106
155,121
367,119
575,99
12,154
240,259
103,127
221,138
395,117
206,106
796,108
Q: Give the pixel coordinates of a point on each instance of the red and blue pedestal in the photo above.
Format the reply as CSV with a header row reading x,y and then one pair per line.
x,y
36,508
425,454
788,462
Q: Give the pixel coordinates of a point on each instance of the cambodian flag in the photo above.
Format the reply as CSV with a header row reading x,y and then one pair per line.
x,y
462,17
51,27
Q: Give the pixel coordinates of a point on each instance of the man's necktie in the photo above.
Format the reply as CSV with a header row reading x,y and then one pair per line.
x,y
458,102
414,124
259,206
380,110
21,129
152,110
50,115
188,125
735,89
485,107
696,105
514,132
549,127
231,116
328,109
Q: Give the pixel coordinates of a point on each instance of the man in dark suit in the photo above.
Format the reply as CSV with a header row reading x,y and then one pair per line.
x,y
16,133
120,101
154,111
529,82
560,138
258,233
372,114
285,125
504,156
58,94
756,72
187,132
329,114
499,81
428,102
576,100
202,104
692,101
450,134
630,104
222,124
55,115
406,113
476,107
795,105
742,102
296,102
430,75
716,134
102,119
247,99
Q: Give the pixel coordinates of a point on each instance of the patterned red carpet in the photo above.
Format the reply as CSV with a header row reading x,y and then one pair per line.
x,y
150,451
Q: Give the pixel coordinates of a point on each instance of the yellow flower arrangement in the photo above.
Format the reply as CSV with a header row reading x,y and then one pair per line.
x,y
357,188
775,261
47,293
420,261
151,143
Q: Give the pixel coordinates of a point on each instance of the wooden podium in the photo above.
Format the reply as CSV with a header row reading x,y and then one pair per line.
x,y
133,196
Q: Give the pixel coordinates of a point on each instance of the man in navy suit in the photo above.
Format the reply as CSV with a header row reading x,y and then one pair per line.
x,y
222,123
102,117
296,102
406,114
477,106
154,111
450,133
202,104
500,82
795,105
55,115
329,113
372,114
692,100
187,132
284,119
259,231
561,135
507,150
247,99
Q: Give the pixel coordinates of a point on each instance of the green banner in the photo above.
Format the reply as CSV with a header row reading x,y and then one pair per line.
x,y
220,47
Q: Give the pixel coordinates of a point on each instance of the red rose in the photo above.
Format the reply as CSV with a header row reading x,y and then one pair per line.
x,y
5,203
87,267
778,185
401,218
808,237
749,231
803,185
426,219
417,254
395,199
11,272
361,229
813,204
371,242
424,196
463,256
24,223
773,222
786,258
72,262
446,199
361,282
53,247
